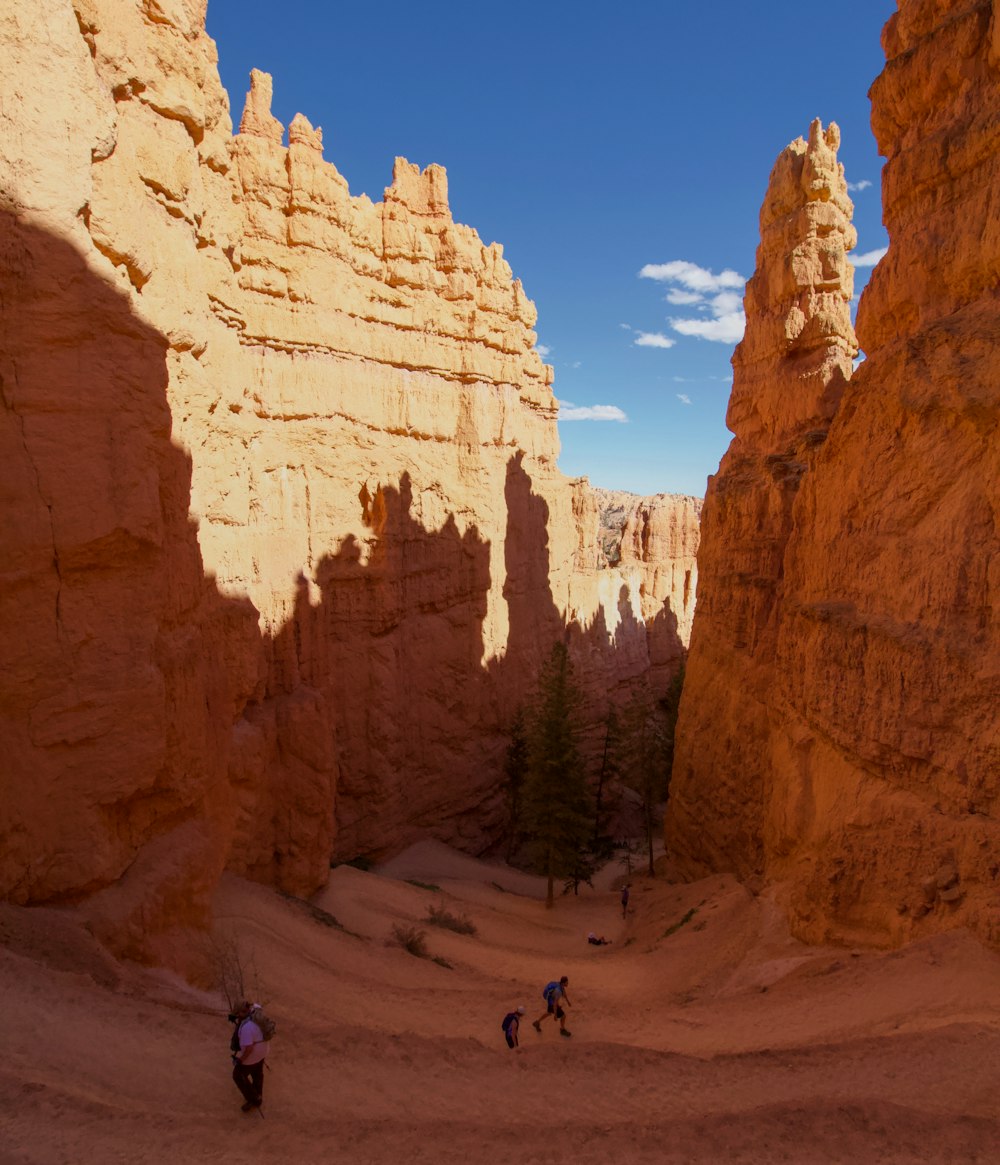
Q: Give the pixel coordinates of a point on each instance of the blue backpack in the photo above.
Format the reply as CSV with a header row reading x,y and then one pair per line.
x,y
549,989
508,1019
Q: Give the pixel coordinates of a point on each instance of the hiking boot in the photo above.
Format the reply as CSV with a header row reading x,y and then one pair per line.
x,y
564,1032
250,1105
537,1026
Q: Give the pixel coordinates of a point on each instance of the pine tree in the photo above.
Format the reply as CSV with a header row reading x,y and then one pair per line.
x,y
515,769
645,757
555,806
602,845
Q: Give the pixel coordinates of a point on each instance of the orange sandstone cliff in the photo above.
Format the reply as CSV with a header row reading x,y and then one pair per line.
x,y
838,732
284,541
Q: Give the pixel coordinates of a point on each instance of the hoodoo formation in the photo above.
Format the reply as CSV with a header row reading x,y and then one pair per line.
x,y
838,732
284,536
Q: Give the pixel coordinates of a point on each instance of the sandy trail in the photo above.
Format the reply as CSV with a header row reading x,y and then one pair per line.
x,y
724,1040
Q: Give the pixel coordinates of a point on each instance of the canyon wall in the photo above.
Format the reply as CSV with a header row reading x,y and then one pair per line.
x,y
838,732
285,541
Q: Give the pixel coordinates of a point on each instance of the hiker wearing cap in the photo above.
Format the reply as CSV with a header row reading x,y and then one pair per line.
x,y
249,1053
555,996
511,1022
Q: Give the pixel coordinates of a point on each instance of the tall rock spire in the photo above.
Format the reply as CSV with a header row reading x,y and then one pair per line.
x,y
839,730
789,373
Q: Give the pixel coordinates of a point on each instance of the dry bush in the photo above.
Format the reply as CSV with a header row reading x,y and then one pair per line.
x,y
411,939
438,916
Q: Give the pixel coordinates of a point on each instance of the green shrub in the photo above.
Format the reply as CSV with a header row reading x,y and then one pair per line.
x,y
423,885
677,925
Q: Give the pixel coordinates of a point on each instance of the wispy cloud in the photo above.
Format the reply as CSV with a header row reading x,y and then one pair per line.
x,y
653,340
679,296
683,398
691,276
869,258
543,350
724,329
571,412
717,296
862,185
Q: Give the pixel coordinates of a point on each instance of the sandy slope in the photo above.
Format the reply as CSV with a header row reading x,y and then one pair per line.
x,y
724,1041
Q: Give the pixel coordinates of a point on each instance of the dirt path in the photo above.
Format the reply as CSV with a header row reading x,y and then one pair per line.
x,y
721,1040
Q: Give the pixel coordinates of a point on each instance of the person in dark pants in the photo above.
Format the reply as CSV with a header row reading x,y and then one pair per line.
x,y
625,889
510,1025
249,1050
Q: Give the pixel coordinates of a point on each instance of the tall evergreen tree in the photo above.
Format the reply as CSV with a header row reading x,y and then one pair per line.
x,y
515,770
645,758
602,844
555,805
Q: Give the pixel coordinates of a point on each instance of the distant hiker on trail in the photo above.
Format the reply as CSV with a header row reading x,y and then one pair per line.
x,y
511,1022
598,942
625,890
555,996
249,1049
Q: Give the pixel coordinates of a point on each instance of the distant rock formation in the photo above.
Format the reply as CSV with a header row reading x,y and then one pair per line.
x,y
838,731
287,542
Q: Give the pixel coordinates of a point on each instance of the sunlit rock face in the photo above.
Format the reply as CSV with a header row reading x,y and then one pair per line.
x,y
853,708
287,541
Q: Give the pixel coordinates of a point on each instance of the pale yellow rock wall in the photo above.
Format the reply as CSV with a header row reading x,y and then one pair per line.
x,y
289,541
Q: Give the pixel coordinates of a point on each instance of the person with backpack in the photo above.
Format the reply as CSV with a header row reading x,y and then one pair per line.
x,y
249,1050
510,1025
555,996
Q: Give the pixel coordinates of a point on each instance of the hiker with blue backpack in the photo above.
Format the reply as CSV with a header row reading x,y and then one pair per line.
x,y
509,1026
555,996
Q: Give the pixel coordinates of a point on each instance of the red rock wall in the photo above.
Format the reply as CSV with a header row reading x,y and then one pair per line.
x,y
861,774
287,540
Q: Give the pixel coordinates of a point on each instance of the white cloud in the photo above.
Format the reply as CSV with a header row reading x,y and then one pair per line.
x,y
543,350
862,185
719,296
653,340
568,412
727,303
577,364
676,295
691,276
869,258
627,327
725,329
684,398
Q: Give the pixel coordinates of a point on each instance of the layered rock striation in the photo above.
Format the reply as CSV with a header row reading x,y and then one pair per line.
x,y
849,750
285,541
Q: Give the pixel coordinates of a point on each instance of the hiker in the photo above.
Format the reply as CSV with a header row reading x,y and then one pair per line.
x,y
625,889
555,996
249,1050
598,942
511,1022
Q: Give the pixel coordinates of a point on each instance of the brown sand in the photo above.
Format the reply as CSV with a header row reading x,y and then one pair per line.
x,y
725,1041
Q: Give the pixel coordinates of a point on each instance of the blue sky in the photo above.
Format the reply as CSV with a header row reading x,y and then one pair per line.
x,y
593,142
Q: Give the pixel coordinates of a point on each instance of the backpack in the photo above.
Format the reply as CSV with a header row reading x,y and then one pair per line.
x,y
549,988
508,1019
266,1024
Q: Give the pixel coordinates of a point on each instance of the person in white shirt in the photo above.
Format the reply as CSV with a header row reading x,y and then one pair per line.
x,y
249,1057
